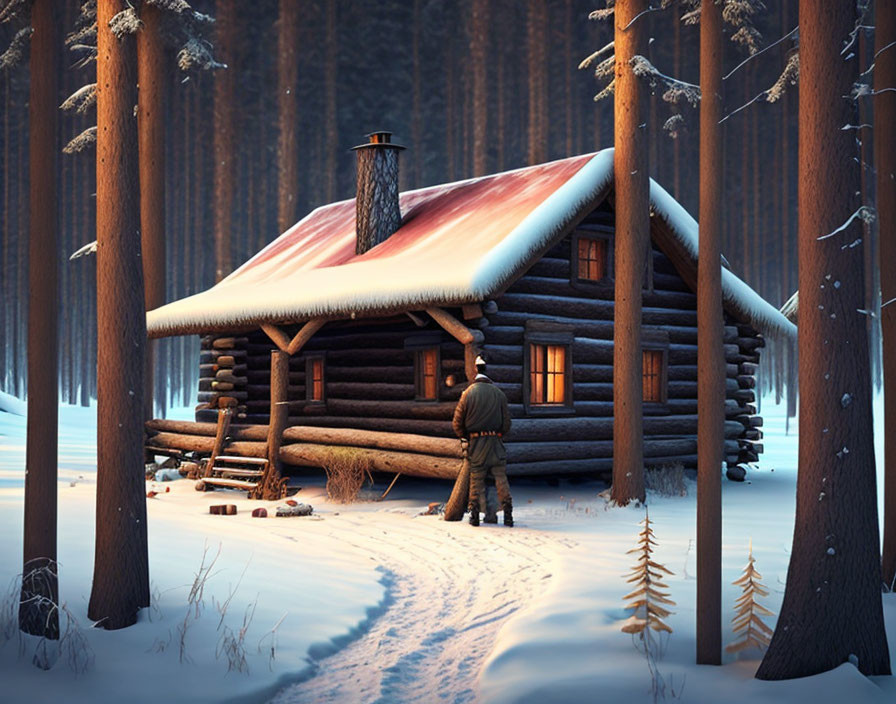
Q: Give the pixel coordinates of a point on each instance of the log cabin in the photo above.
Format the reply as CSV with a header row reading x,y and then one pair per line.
x,y
358,328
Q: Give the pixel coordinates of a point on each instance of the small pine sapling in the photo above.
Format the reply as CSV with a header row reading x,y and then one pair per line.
x,y
646,599
648,612
747,622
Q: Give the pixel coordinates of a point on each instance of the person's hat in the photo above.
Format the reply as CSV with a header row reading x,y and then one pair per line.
x,y
480,362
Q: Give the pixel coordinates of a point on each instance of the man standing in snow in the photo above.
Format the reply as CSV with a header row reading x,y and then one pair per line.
x,y
482,417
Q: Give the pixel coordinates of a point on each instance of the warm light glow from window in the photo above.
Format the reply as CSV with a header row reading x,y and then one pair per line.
x,y
653,376
547,374
592,258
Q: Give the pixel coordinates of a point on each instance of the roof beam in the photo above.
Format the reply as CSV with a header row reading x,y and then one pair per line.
x,y
304,334
293,346
454,327
278,337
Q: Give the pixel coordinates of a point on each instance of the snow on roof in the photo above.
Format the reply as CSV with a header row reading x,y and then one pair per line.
x,y
458,243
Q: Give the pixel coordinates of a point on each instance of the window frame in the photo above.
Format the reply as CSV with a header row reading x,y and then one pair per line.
x,y
419,373
547,333
605,234
310,358
656,341
416,344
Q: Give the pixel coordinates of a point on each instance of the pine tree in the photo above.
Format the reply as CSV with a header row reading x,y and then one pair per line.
x,y
631,244
832,603
747,622
885,165
646,598
38,613
151,118
121,564
710,352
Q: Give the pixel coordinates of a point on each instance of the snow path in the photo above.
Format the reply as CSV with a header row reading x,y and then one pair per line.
x,y
452,588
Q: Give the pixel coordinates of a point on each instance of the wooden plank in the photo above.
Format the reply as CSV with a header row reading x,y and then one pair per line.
x,y
237,472
229,483
245,460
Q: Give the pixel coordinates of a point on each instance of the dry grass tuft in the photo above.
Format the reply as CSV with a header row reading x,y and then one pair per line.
x,y
347,469
667,480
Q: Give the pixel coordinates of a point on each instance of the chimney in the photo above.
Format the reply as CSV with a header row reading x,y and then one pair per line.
x,y
378,214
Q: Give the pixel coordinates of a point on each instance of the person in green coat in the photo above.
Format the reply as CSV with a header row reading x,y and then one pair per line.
x,y
482,418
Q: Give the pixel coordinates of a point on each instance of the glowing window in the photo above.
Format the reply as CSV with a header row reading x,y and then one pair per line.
x,y
592,258
547,374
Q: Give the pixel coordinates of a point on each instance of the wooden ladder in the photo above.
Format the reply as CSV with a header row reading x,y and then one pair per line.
x,y
234,472
254,474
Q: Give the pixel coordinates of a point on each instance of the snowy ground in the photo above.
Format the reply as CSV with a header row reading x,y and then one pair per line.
x,y
379,603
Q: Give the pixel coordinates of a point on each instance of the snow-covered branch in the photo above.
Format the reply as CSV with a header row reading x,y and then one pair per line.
x,y
15,52
197,53
596,55
854,34
743,63
861,90
790,76
81,99
125,22
673,125
605,13
9,9
84,140
608,90
84,251
865,213
641,14
676,90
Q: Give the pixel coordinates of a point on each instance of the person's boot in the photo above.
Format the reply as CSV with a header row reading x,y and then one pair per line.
x,y
508,515
474,513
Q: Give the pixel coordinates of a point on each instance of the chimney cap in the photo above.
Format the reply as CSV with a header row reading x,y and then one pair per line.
x,y
380,138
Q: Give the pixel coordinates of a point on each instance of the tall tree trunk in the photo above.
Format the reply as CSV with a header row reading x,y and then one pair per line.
x,y
568,67
417,88
500,98
785,271
536,31
331,118
479,21
832,603
710,353
6,233
38,609
225,154
121,567
885,162
631,244
151,135
450,110
676,65
288,108
21,281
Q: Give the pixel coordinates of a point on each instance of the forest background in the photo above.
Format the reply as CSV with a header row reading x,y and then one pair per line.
x,y
412,67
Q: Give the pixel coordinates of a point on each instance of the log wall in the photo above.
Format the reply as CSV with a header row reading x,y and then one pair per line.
x,y
584,434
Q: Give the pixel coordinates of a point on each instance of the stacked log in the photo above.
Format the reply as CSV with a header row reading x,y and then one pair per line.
x,y
222,376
